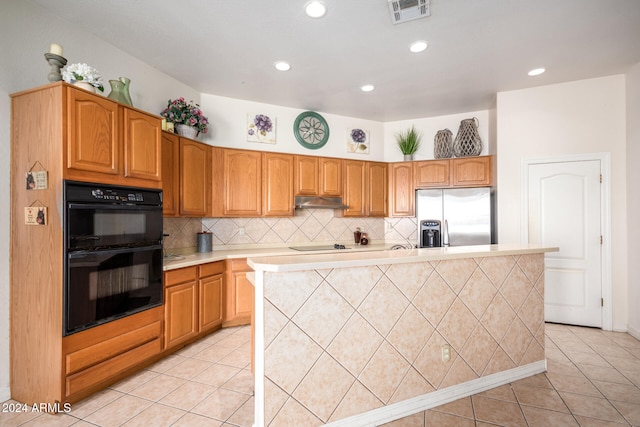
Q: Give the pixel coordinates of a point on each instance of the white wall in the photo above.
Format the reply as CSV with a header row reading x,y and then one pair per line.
x,y
229,129
428,128
633,194
579,117
27,32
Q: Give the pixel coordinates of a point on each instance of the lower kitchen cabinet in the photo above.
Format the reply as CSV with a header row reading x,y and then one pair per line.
x,y
193,302
239,293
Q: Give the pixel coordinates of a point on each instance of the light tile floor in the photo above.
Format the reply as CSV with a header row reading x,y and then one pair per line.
x,y
593,379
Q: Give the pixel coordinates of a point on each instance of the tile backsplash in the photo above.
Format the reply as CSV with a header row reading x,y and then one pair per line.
x,y
308,225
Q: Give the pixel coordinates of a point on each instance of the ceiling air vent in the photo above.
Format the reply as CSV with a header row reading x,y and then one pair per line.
x,y
408,10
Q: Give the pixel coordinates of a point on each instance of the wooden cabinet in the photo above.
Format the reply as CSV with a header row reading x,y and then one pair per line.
x,y
330,177
401,190
355,188
432,173
170,174
210,289
318,176
239,293
252,183
195,178
193,302
277,184
472,171
111,143
306,176
180,306
377,189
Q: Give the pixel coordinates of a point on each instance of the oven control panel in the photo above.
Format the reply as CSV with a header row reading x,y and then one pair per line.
x,y
84,192
117,196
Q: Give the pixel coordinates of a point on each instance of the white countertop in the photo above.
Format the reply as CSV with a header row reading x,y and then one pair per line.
x,y
189,260
341,259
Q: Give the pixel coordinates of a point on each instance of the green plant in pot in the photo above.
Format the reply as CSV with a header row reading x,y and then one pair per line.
x,y
409,142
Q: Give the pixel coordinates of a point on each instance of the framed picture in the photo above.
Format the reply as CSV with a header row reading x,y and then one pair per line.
x,y
358,141
261,128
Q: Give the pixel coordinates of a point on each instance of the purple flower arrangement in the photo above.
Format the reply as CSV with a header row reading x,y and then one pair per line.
x,y
178,111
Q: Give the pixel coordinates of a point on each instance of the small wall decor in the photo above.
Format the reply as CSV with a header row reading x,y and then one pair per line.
x,y
261,128
311,130
35,215
36,179
358,141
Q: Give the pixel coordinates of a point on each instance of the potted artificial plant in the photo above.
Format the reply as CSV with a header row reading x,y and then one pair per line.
x,y
409,142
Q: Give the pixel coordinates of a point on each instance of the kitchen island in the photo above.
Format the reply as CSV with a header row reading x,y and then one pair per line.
x,y
364,338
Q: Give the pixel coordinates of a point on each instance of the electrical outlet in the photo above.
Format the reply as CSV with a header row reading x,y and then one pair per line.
x,y
241,231
446,352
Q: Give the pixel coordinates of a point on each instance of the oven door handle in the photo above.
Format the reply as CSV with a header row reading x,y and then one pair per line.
x,y
113,206
108,252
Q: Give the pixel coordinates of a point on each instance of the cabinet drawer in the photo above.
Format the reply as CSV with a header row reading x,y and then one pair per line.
x,y
97,353
239,264
180,275
103,371
211,269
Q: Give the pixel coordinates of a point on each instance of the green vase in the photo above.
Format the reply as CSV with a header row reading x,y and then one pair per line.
x,y
127,82
117,92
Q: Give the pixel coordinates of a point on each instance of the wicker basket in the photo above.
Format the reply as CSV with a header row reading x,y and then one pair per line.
x,y
467,141
443,144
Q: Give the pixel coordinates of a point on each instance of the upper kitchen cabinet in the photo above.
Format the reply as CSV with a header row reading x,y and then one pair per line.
x,y
277,184
111,143
457,172
236,183
365,188
472,171
195,178
377,189
355,188
318,176
432,173
401,189
170,174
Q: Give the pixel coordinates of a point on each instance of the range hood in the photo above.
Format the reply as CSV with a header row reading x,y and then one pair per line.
x,y
315,202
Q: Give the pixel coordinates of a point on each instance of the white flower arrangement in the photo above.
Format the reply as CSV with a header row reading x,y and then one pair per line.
x,y
82,73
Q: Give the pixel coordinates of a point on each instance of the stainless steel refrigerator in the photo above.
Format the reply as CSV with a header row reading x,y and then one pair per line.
x,y
465,216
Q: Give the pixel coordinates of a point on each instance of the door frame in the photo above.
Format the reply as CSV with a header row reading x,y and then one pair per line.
x,y
605,218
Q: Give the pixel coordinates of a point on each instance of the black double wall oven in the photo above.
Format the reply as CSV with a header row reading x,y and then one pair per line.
x,y
113,253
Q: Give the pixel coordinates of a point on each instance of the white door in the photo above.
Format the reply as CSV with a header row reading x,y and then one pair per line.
x,y
565,211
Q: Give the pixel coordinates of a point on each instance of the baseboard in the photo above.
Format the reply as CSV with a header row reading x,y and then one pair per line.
x,y
414,405
634,332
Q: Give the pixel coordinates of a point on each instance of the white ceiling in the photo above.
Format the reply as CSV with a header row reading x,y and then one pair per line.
x,y
476,48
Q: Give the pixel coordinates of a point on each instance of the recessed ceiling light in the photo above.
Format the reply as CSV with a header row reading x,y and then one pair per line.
x,y
315,9
418,46
282,66
367,88
536,71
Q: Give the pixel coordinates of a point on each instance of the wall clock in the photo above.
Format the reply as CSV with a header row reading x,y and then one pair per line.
x,y
311,130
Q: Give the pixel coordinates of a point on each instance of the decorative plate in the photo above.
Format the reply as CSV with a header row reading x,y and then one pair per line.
x,y
311,130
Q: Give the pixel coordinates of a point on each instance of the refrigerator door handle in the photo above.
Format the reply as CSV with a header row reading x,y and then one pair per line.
x,y
445,234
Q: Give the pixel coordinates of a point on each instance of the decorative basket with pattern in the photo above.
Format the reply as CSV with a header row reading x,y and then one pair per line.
x,y
467,141
442,144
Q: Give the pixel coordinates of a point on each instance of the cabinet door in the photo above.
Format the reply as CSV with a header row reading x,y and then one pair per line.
x,y
92,135
243,295
242,187
142,146
277,184
472,171
210,289
238,293
330,177
432,173
170,174
377,189
355,188
195,178
181,313
306,175
401,190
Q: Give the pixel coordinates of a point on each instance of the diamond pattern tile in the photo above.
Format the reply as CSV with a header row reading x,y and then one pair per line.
x,y
456,272
342,280
410,333
355,344
387,298
384,372
497,268
434,299
409,277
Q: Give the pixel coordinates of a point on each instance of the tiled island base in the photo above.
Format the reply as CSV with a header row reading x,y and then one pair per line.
x,y
364,345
